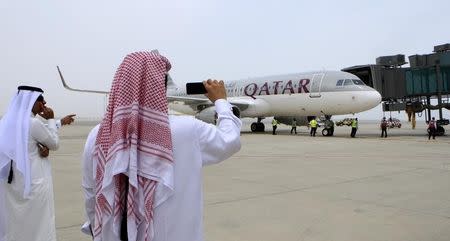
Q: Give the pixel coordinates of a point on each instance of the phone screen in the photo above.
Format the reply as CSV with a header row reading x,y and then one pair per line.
x,y
195,88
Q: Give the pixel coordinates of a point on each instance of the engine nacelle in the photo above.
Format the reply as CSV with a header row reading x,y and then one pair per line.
x,y
236,111
209,114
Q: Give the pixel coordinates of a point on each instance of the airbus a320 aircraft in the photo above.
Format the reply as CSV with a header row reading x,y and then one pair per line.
x,y
286,97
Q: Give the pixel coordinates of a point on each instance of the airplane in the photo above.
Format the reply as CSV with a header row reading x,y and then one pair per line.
x,y
302,96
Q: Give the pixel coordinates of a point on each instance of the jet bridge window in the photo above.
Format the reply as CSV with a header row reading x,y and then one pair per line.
x,y
339,82
358,82
348,82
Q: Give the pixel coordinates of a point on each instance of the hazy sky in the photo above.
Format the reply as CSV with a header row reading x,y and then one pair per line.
x,y
227,40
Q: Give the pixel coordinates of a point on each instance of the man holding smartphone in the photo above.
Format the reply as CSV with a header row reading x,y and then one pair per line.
x,y
142,169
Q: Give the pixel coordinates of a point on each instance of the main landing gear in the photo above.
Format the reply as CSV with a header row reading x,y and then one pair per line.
x,y
257,126
327,132
328,129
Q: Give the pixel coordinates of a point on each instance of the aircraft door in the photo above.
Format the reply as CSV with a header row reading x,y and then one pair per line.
x,y
316,84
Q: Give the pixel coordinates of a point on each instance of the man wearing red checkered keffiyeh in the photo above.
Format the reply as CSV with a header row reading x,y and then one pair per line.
x,y
133,146
142,168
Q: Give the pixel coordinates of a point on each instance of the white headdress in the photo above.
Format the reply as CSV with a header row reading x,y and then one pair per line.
x,y
14,134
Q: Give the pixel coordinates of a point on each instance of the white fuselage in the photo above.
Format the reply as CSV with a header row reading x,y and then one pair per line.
x,y
303,94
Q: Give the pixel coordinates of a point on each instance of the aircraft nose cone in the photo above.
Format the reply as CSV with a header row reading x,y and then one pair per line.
x,y
374,98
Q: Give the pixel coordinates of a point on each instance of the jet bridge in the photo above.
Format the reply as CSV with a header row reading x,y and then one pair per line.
x,y
411,88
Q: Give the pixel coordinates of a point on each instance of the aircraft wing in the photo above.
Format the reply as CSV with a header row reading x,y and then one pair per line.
x,y
242,104
194,102
188,100
78,90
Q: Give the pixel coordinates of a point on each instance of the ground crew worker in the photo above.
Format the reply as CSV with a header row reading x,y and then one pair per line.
x,y
383,126
313,124
432,127
274,126
294,126
354,127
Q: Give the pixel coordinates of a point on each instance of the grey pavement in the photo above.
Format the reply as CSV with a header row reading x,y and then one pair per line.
x,y
296,187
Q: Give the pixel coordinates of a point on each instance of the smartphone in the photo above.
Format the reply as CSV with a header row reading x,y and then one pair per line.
x,y
195,88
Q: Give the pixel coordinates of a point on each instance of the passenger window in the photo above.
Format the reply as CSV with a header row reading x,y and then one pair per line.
x,y
339,82
348,82
358,82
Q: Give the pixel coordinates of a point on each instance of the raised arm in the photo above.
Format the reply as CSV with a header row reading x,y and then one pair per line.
x,y
218,143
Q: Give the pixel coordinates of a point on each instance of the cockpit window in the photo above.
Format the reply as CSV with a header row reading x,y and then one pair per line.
x,y
358,82
339,82
348,82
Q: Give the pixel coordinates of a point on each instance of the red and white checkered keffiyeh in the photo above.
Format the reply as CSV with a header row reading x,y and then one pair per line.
x,y
134,141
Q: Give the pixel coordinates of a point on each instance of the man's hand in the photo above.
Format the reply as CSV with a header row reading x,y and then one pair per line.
x,y
43,150
216,90
68,119
47,113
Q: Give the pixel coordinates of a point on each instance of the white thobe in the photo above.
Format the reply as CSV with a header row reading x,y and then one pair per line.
x,y
195,144
33,218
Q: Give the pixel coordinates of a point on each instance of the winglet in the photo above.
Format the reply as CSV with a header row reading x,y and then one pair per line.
x,y
78,90
62,78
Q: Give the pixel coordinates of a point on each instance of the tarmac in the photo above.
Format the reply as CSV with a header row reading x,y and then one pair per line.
x,y
297,188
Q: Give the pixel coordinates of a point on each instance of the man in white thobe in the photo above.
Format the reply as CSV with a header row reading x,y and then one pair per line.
x,y
195,144
26,185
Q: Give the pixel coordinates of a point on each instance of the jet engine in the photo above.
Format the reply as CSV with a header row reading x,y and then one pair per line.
x,y
207,115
